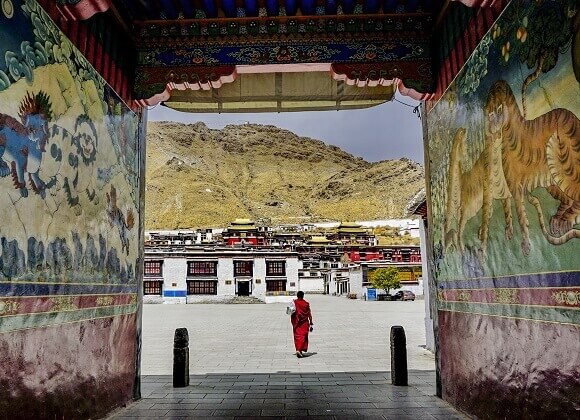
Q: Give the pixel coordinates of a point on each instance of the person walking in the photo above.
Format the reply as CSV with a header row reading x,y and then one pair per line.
x,y
301,324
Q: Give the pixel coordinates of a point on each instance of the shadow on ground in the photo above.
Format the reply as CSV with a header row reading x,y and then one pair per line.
x,y
284,395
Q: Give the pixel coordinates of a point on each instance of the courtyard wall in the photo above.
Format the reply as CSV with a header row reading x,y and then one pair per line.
x,y
71,159
503,146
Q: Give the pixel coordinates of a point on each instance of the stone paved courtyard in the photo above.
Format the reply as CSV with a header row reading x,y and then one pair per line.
x,y
242,363
349,336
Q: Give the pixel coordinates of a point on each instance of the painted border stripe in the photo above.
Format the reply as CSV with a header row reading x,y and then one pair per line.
x,y
17,305
564,279
39,320
545,296
533,313
46,289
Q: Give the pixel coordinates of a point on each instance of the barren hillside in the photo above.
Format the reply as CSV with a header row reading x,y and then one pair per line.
x,y
202,177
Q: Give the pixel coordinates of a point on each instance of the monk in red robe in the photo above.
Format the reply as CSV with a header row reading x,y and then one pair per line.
x,y
301,324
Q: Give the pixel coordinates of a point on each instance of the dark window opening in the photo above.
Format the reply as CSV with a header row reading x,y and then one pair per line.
x,y
275,268
152,287
243,268
275,285
153,268
201,268
202,287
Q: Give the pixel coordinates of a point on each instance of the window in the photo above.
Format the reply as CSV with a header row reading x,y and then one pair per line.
x,y
201,268
202,287
153,268
152,287
275,268
275,285
243,268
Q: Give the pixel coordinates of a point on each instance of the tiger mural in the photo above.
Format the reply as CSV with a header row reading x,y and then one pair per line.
x,y
543,152
466,196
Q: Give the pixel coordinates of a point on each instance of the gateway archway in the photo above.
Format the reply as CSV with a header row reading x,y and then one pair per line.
x,y
75,76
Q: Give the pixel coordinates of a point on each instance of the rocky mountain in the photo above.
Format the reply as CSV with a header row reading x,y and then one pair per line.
x,y
198,177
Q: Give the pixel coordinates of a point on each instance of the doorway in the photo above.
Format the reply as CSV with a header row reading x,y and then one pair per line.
x,y
244,288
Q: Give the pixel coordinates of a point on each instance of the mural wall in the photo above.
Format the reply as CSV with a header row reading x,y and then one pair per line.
x,y
70,161
504,147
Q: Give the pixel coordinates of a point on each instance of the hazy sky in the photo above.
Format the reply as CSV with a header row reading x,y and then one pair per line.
x,y
386,131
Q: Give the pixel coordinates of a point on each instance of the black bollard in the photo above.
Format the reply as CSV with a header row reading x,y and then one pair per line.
x,y
399,374
181,358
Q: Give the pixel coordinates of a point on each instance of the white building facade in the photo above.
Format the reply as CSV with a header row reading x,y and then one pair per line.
x,y
216,275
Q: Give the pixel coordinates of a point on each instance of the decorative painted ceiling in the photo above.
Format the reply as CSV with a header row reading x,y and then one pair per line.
x,y
181,48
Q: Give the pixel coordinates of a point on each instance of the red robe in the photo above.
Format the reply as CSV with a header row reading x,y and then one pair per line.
x,y
301,320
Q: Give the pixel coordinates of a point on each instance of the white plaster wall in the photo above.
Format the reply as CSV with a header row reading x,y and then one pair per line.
x,y
152,299
174,272
278,299
429,332
208,298
356,281
293,265
311,284
225,272
259,273
175,300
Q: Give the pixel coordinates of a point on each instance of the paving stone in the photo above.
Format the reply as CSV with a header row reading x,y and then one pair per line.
x,y
237,413
268,405
141,413
333,412
396,404
284,412
351,405
309,417
223,405
174,406
188,414
198,400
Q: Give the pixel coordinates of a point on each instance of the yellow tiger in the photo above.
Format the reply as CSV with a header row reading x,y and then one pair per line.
x,y
543,152
474,189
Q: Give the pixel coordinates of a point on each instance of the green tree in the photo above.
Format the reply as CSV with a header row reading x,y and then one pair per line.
x,y
385,278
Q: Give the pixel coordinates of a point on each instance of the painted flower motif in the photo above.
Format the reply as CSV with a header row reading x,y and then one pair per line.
x,y
505,296
9,307
569,297
464,296
283,53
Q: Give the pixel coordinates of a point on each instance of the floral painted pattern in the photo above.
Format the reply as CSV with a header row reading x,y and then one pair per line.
x,y
284,54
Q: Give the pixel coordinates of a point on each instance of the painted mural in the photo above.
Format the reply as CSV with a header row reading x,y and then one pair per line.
x,y
504,146
70,163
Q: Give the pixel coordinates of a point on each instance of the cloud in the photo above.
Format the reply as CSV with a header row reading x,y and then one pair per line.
x,y
387,131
